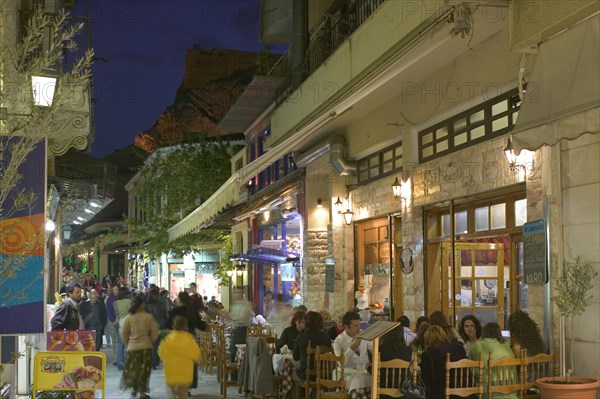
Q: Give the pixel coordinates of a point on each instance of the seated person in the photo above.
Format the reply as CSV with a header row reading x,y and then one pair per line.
x,y
313,333
492,345
289,335
393,347
355,351
433,359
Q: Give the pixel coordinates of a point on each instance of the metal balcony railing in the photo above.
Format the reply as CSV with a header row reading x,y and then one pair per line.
x,y
334,31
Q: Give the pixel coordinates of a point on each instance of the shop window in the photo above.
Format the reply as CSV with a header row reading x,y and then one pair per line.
x,y
483,122
498,216
520,212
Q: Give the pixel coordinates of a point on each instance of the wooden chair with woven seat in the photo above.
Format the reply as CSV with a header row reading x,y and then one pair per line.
x,y
464,377
214,358
394,371
311,372
202,339
225,366
534,367
504,375
331,383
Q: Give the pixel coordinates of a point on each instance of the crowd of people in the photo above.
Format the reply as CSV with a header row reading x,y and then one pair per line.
x,y
145,328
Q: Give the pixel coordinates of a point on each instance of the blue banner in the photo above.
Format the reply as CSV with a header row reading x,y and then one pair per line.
x,y
22,235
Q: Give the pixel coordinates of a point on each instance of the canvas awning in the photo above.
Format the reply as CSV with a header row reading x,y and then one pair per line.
x,y
563,95
255,99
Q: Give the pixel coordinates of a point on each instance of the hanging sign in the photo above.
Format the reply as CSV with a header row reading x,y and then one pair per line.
x,y
329,273
535,253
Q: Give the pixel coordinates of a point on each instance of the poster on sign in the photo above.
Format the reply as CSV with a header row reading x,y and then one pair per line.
x,y
74,375
71,340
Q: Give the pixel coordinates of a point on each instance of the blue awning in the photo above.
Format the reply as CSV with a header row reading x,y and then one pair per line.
x,y
264,255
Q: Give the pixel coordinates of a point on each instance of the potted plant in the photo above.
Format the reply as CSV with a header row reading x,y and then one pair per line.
x,y
572,284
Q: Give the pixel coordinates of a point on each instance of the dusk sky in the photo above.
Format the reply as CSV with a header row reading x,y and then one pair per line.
x,y
141,50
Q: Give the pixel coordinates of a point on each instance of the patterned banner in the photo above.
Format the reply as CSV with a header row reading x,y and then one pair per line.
x,y
22,217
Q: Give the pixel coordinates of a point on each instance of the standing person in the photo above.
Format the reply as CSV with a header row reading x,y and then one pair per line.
x,y
433,360
179,353
240,314
156,308
111,316
355,351
93,313
492,346
121,305
469,330
268,305
67,315
196,299
186,309
138,332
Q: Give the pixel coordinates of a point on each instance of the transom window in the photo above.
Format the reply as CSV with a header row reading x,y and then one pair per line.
x,y
380,164
490,119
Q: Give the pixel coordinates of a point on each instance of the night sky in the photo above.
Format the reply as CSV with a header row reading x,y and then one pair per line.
x,y
140,46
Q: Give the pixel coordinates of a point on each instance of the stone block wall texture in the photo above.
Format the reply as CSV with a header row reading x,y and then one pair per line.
x,y
579,210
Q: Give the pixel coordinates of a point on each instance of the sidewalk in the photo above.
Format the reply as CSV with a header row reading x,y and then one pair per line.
x,y
208,388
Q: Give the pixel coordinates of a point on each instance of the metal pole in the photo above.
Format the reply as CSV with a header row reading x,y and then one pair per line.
x,y
547,287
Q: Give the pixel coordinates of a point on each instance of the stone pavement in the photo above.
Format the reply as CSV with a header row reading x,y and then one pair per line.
x,y
208,388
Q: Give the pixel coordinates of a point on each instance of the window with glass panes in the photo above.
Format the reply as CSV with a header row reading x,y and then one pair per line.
x,y
483,122
380,164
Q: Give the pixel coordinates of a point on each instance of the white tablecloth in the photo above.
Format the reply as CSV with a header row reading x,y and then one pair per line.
x,y
356,379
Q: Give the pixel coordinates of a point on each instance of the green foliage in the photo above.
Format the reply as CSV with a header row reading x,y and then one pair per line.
x,y
174,183
225,265
572,283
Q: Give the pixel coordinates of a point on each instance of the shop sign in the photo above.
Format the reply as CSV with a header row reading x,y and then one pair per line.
x,y
535,250
329,274
79,375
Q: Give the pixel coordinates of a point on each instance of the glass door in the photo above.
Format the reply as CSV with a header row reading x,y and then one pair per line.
x,y
475,285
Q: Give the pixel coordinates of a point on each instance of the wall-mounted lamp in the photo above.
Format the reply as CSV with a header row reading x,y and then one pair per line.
x,y
50,225
67,232
239,268
397,188
511,156
266,215
339,205
319,203
230,273
43,88
348,214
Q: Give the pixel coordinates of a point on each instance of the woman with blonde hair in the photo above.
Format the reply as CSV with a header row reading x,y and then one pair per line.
x,y
433,360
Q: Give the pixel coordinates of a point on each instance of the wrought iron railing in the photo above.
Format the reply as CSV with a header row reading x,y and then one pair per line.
x,y
333,32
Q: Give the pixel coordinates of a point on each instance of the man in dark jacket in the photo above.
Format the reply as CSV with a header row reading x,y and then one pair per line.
x,y
93,313
67,315
197,302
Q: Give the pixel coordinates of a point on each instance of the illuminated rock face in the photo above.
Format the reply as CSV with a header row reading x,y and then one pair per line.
x,y
212,83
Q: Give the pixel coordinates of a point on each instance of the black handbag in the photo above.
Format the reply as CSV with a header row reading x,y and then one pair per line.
x,y
412,390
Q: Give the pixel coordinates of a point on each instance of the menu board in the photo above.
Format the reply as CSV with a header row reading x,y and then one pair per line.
x,y
71,340
535,249
81,375
377,329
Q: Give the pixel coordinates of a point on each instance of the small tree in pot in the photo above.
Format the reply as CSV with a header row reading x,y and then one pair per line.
x,y
573,282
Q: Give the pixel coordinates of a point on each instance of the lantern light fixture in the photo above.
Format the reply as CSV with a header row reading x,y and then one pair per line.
x,y
397,188
339,205
348,214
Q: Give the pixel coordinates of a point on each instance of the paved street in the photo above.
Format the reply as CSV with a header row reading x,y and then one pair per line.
x,y
207,384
